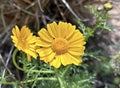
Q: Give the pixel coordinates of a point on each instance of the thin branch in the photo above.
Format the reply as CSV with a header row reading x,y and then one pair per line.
x,y
37,19
2,17
31,5
5,38
41,12
6,66
7,29
23,10
61,13
40,7
8,59
70,9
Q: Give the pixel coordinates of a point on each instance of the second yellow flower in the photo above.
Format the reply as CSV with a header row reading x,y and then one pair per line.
x,y
60,44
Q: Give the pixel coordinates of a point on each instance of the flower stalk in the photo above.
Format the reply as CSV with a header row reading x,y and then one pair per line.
x,y
25,70
14,61
31,80
66,70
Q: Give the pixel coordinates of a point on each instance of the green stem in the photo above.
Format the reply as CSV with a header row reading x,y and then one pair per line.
x,y
60,77
65,71
14,61
17,66
49,71
61,82
31,80
38,79
92,31
7,83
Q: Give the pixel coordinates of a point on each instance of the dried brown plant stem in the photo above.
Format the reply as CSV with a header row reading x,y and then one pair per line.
x,y
2,17
70,9
5,64
61,13
6,28
42,12
31,5
8,59
40,7
23,10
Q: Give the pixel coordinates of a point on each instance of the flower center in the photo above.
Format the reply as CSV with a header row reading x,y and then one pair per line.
x,y
60,45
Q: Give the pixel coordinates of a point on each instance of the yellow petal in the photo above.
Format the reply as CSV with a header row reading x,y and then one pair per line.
x,y
32,47
27,34
75,60
44,35
52,29
77,51
65,59
108,5
70,31
16,31
78,43
31,39
41,43
61,30
24,31
78,60
65,29
28,58
56,62
49,57
14,39
76,36
30,52
44,51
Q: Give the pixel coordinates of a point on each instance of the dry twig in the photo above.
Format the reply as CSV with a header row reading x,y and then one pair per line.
x,y
70,9
6,63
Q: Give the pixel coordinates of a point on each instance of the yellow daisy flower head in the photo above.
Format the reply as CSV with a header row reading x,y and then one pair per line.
x,y
24,40
60,44
108,5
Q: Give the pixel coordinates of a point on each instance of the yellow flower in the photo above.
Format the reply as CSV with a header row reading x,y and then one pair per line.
x,y
60,44
24,40
108,5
